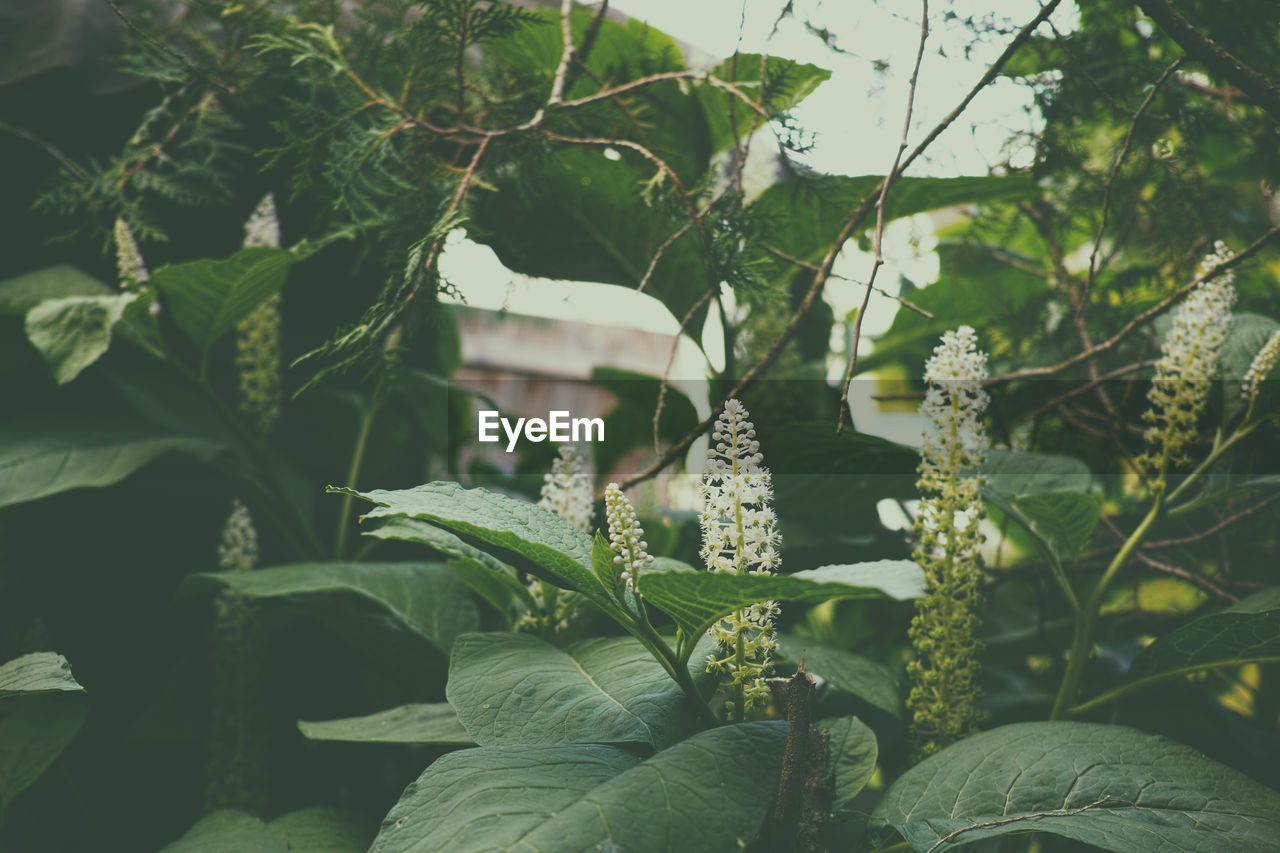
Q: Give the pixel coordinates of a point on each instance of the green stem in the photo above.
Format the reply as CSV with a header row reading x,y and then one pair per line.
x,y
1087,619
353,474
739,689
1214,456
649,638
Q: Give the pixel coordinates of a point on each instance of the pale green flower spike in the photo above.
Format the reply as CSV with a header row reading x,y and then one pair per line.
x,y
944,629
238,550
258,335
740,536
133,272
262,227
1260,367
625,537
566,489
1189,359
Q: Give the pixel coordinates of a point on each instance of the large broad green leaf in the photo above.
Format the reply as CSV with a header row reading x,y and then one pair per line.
x,y
786,83
519,689
44,455
315,830
423,723
75,331
427,598
871,682
1113,787
695,600
39,672
557,550
21,293
488,576
208,298
1248,632
853,755
708,793
805,214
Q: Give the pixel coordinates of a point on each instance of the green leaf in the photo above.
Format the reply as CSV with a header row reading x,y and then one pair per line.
x,y
519,689
34,730
435,723
488,576
1247,632
314,830
708,793
427,598
74,332
609,572
1065,519
854,753
42,455
788,83
207,298
20,294
873,683
558,551
39,672
695,600
1113,787
1019,473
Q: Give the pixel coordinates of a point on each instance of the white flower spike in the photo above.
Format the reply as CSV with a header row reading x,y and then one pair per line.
x,y
626,536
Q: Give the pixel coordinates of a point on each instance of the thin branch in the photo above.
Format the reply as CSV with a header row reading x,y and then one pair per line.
x,y
905,303
1111,180
880,203
1141,319
671,360
562,70
824,269
1188,576
1091,384
657,255
588,41
1217,528
63,160
1218,60
644,152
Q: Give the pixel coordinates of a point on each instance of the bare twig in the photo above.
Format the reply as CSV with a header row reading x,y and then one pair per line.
x,y
905,303
1217,528
63,160
1092,275
671,360
562,70
878,261
657,255
1188,576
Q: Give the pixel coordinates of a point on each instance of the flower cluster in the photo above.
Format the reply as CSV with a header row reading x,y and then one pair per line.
x,y
258,335
1189,359
238,550
566,488
133,272
625,536
1259,368
944,629
740,536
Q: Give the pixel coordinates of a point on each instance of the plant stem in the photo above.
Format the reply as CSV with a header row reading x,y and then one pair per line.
x,y
676,668
353,474
739,689
1087,618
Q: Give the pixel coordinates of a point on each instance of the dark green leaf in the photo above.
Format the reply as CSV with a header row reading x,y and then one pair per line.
x,y
427,598
1248,632
44,455
558,551
1109,786
21,293
696,599
708,793
789,83
1065,519
518,689
208,298
1018,473
435,723
1247,334
314,830
854,753
34,730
